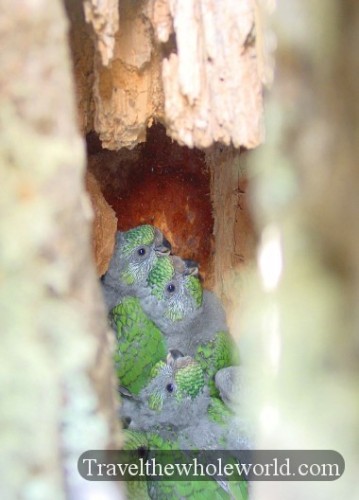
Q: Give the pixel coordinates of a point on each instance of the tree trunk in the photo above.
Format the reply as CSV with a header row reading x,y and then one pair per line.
x,y
300,314
56,396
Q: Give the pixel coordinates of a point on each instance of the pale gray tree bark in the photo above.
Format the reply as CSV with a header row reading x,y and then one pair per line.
x,y
300,315
56,382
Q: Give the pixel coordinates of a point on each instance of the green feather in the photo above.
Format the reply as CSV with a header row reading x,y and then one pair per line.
x,y
127,276
195,289
157,368
174,314
140,344
216,354
161,273
134,440
218,411
189,380
155,401
141,235
167,489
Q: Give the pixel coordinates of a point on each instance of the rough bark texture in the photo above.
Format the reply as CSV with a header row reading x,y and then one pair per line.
x,y
196,66
56,383
104,225
212,87
300,331
128,95
83,61
234,232
104,17
163,184
215,94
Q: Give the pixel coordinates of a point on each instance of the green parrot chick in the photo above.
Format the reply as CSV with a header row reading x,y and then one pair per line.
x,y
140,343
167,402
192,320
136,252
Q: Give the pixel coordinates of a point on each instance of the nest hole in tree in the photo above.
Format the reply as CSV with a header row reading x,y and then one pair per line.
x,y
198,198
160,183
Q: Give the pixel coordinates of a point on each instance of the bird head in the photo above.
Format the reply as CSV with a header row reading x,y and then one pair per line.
x,y
175,284
137,250
173,399
180,378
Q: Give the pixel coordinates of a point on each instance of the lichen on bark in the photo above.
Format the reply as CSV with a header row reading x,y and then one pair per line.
x,y
57,390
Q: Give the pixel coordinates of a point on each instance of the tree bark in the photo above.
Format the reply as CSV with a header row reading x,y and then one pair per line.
x,y
234,233
195,67
212,84
56,380
300,311
104,17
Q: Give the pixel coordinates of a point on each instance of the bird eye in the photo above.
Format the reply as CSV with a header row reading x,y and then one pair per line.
x,y
141,251
170,387
171,288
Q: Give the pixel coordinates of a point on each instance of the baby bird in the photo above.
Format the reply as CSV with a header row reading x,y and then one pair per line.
x,y
192,320
136,252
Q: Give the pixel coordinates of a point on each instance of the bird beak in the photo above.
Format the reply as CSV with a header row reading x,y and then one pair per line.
x,y
191,267
164,248
173,355
126,393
